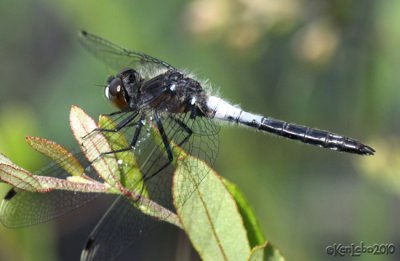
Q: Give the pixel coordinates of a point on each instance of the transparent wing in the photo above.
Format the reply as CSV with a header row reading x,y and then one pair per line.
x,y
22,208
124,224
116,230
198,137
30,208
119,58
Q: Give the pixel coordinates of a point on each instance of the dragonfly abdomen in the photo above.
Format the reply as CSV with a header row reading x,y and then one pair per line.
x,y
316,137
223,110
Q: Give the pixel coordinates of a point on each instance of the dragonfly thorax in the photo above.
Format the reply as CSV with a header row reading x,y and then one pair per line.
x,y
173,92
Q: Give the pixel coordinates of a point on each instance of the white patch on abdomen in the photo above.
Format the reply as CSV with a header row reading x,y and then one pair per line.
x,y
225,111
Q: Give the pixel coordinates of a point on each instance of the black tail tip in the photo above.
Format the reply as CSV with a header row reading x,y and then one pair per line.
x,y
367,150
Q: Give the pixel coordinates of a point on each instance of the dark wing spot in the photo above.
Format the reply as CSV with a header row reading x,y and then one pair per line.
x,y
10,194
89,243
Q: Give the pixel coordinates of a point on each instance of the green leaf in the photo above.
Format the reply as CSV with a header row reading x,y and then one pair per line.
x,y
94,144
24,180
112,166
5,160
57,153
130,176
18,177
253,228
265,252
209,216
109,167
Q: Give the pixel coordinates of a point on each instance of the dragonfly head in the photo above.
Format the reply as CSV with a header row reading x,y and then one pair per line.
x,y
123,87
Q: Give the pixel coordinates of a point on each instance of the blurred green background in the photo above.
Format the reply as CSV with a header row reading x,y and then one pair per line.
x,y
327,64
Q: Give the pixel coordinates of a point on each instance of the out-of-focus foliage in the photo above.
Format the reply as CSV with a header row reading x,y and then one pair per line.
x,y
328,64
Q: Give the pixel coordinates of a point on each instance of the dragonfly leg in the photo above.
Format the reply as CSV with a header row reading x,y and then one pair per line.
x,y
164,137
125,123
120,125
193,112
133,142
185,128
166,142
113,113
166,145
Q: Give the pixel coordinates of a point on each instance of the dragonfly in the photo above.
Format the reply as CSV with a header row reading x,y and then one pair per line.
x,y
149,93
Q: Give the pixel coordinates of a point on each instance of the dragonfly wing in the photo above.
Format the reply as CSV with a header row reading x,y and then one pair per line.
x,y
123,223
119,58
31,208
21,208
117,229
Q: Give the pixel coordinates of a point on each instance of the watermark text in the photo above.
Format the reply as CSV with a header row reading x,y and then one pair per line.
x,y
358,249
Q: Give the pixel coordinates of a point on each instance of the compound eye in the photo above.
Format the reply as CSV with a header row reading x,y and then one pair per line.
x,y
115,93
113,89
